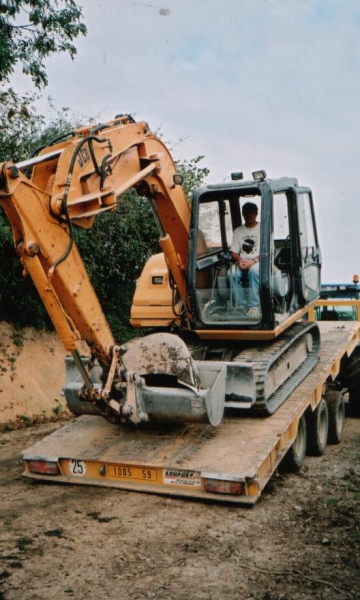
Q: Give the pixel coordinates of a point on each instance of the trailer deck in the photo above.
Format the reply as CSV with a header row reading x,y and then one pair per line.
x,y
231,463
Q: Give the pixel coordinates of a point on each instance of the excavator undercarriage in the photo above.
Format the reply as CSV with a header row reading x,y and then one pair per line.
x,y
157,379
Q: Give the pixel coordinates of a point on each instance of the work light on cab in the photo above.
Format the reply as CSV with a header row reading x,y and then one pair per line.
x,y
259,175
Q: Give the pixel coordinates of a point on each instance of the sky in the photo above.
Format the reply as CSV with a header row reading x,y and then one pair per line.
x,y
248,84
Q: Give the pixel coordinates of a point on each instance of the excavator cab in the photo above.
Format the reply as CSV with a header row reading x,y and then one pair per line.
x,y
266,351
289,254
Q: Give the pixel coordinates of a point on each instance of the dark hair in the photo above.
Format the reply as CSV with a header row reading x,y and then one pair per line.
x,y
250,207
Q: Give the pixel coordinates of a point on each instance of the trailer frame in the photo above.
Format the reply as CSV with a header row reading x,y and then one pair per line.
x,y
230,463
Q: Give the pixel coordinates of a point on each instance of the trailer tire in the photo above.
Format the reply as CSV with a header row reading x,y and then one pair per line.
x,y
353,382
317,429
336,409
294,458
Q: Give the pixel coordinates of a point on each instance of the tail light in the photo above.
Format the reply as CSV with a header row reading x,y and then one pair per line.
x,y
220,486
43,467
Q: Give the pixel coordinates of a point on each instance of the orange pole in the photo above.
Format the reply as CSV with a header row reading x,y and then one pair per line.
x,y
175,265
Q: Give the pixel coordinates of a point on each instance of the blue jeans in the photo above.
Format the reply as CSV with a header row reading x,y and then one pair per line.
x,y
240,295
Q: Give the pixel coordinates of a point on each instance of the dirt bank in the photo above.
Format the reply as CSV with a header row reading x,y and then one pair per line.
x,y
32,373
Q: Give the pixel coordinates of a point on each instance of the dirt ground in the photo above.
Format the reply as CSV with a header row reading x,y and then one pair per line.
x,y
300,541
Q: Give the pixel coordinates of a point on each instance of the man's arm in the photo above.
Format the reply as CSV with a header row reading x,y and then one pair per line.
x,y
235,256
244,264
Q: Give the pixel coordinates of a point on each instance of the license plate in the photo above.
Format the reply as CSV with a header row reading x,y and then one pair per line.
x,y
131,473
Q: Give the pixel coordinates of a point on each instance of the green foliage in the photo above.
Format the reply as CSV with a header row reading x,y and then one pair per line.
x,y
114,252
19,338
19,302
194,175
25,418
58,409
32,30
20,127
62,122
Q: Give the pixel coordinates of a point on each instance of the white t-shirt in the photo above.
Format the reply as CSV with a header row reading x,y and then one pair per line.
x,y
246,241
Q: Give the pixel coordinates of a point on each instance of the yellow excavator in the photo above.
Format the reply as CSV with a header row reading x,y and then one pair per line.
x,y
204,352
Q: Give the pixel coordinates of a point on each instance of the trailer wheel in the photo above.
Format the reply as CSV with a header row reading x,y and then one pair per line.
x,y
336,410
294,458
317,429
353,382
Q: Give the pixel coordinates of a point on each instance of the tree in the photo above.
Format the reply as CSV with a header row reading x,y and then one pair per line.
x,y
115,251
31,30
20,127
194,175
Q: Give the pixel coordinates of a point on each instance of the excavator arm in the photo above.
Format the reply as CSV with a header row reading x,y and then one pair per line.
x,y
71,182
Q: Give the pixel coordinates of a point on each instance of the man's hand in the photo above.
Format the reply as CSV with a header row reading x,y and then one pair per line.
x,y
246,264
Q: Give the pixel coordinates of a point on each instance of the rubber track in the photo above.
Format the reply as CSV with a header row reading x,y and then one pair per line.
x,y
264,357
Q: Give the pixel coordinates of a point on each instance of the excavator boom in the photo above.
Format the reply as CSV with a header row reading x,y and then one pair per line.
x,y
72,182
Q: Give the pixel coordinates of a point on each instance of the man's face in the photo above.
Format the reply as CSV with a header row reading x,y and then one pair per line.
x,y
250,217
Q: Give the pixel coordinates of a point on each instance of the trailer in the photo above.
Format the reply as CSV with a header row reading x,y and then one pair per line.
x,y
230,463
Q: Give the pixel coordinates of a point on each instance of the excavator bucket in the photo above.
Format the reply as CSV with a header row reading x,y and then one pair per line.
x,y
161,383
171,387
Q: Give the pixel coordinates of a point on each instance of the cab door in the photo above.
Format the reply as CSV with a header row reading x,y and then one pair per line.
x,y
310,255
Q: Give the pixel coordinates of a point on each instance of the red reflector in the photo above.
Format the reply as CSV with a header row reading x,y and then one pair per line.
x,y
220,486
43,467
